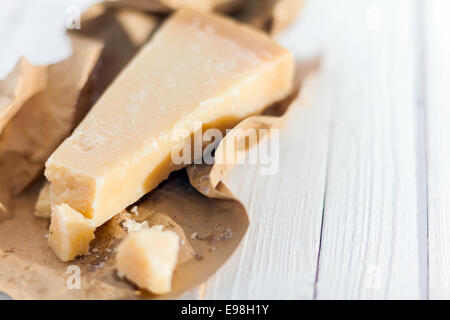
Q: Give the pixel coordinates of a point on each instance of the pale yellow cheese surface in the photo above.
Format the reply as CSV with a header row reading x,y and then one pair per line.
x,y
198,67
148,258
43,204
70,232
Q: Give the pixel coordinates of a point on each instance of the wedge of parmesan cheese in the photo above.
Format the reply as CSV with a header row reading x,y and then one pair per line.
x,y
148,259
198,68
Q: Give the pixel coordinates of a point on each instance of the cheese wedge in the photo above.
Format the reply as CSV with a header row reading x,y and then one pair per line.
x,y
148,258
198,68
70,232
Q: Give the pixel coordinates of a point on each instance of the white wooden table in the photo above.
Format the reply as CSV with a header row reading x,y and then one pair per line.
x,y
360,207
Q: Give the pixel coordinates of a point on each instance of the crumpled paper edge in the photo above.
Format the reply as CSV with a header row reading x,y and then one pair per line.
x,y
29,150
24,81
210,180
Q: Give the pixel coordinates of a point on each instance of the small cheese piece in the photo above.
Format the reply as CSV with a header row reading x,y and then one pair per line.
x,y
43,204
70,232
148,259
198,68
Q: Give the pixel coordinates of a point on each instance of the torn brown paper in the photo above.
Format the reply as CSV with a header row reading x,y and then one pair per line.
x,y
272,16
24,81
30,270
46,119
123,31
166,6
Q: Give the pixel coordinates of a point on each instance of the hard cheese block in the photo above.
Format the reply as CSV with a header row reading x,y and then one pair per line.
x,y
198,68
148,258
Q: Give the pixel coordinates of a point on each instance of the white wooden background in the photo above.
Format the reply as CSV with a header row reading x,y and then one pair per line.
x,y
360,208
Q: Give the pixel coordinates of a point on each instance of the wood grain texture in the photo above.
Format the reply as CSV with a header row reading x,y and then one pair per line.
x,y
437,71
370,240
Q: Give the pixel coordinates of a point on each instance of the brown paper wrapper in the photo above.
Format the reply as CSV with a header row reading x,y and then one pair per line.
x,y
194,202
45,119
272,16
122,30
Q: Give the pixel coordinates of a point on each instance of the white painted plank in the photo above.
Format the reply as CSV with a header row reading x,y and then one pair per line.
x,y
278,257
370,244
437,62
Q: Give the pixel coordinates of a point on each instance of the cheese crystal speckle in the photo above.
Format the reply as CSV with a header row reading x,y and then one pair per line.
x,y
148,258
70,232
197,68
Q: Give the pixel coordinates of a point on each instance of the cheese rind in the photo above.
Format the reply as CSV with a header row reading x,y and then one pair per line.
x,y
70,232
198,67
148,259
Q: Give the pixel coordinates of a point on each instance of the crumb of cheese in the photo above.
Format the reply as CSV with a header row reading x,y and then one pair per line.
x,y
157,227
133,226
134,210
148,259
